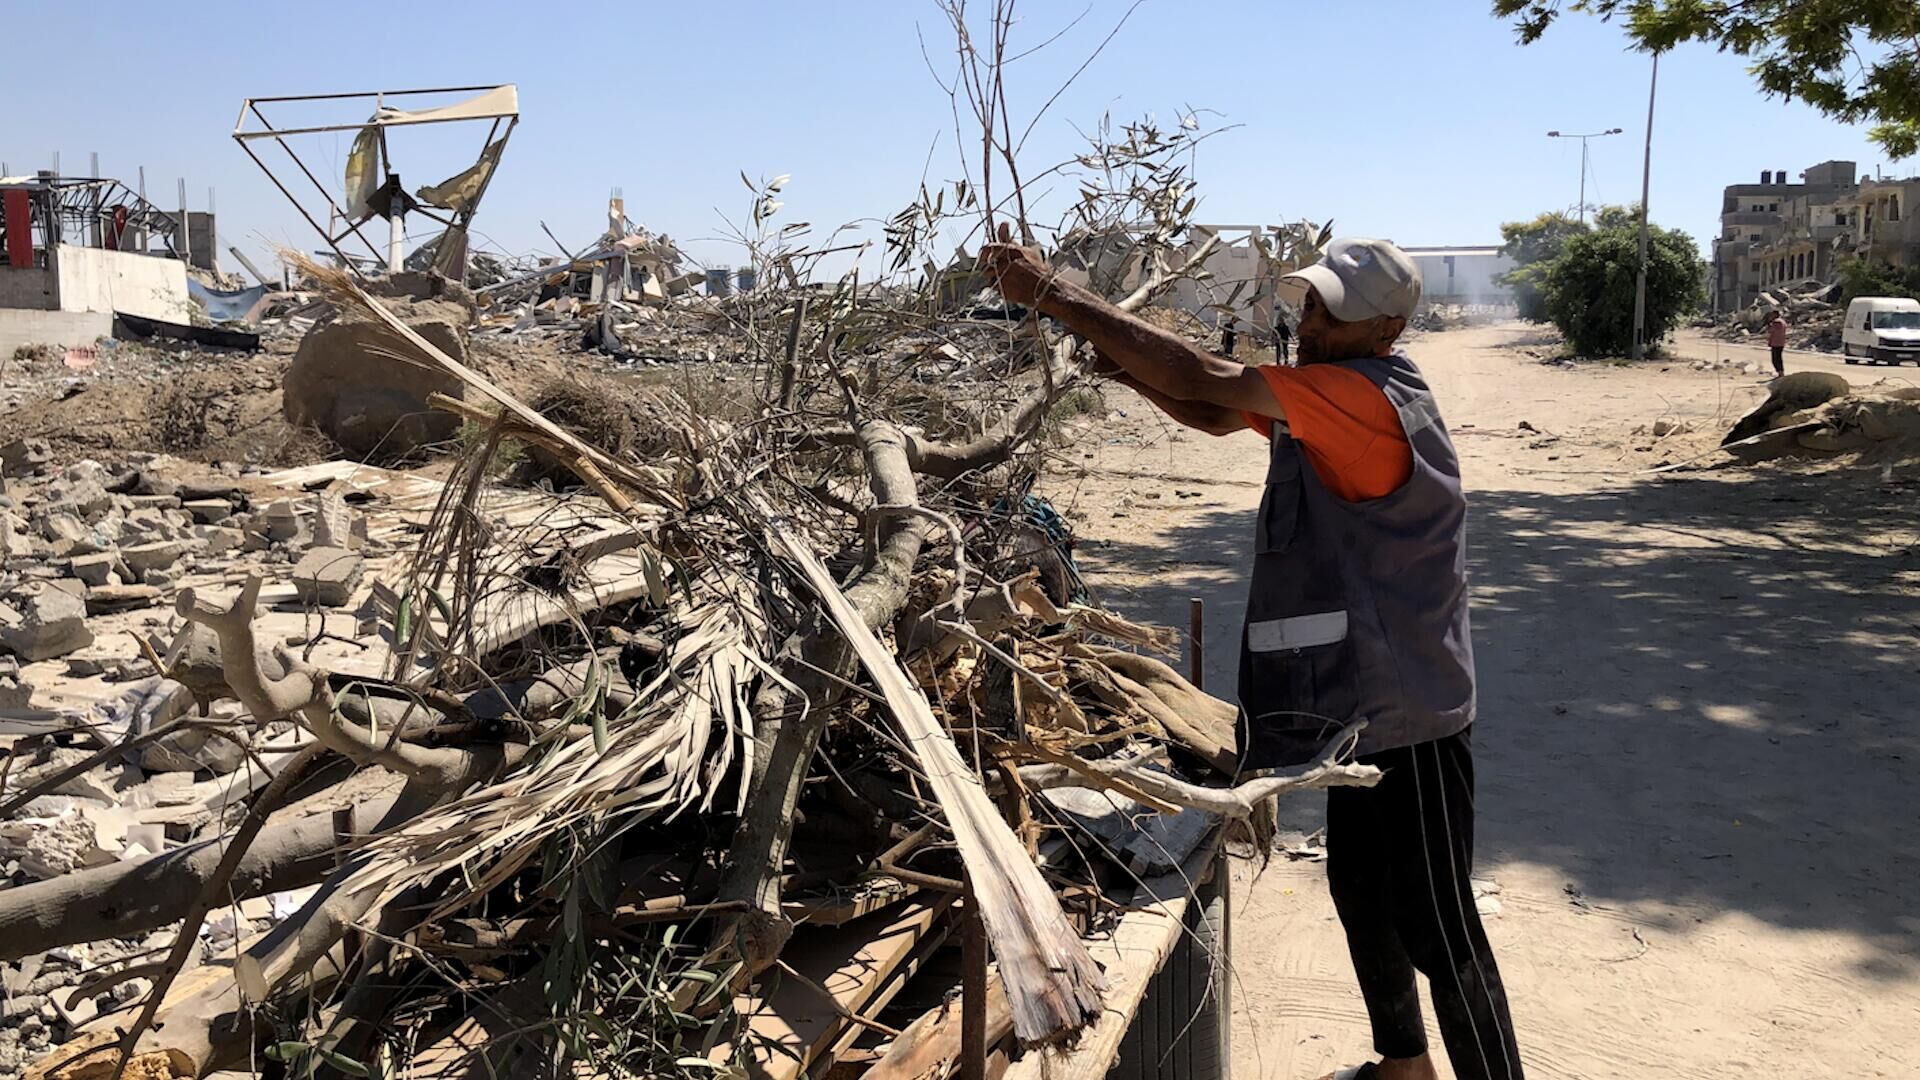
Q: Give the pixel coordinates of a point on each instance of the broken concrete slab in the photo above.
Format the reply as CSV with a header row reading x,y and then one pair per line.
x,y
332,521
208,511
39,622
219,538
191,750
24,457
159,555
327,576
96,570
109,598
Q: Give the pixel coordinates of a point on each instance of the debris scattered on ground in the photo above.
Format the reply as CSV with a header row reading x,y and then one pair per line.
x,y
1817,413
1813,312
557,702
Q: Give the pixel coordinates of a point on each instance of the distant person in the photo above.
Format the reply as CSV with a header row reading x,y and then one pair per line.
x,y
1777,341
1227,337
1283,335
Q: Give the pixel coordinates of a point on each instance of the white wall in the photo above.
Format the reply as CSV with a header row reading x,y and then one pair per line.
x,y
1469,279
1237,282
19,326
94,279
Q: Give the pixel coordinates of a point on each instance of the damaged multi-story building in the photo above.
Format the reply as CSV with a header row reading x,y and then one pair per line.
x,y
1778,231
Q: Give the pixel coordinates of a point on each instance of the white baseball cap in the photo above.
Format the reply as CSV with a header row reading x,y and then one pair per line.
x,y
1357,279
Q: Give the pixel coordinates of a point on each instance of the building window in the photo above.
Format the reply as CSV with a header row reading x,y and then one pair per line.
x,y
1756,268
1753,238
1773,208
1893,209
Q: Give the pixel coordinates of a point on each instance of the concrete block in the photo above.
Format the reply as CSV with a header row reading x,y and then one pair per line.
x,y
332,521
327,576
219,539
38,622
209,511
59,526
97,569
24,457
110,598
282,520
159,555
339,382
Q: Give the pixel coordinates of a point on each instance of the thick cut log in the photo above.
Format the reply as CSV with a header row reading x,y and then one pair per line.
x,y
132,898
792,715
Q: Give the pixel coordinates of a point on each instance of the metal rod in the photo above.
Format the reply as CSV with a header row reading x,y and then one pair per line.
x,y
243,136
248,263
318,186
344,261
1197,643
377,93
973,992
186,225
1646,177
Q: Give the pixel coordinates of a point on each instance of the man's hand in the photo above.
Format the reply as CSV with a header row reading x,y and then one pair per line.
x,y
1018,272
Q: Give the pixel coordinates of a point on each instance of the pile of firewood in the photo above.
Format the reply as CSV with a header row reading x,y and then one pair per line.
x,y
591,759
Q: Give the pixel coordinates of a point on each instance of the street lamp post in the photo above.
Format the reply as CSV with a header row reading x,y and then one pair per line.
x,y
1646,177
1583,160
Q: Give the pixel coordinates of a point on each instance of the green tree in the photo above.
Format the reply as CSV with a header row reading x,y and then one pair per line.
x,y
1852,59
1617,217
1590,287
1533,246
1858,277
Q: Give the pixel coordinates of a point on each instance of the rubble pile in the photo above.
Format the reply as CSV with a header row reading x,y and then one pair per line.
x,y
434,772
1813,313
1820,414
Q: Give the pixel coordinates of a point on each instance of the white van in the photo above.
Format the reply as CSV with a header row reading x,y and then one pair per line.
x,y
1881,330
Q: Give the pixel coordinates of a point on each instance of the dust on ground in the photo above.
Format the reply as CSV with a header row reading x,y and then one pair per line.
x,y
1696,751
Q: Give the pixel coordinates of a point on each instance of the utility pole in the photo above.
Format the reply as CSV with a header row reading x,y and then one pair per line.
x,y
1583,161
1646,177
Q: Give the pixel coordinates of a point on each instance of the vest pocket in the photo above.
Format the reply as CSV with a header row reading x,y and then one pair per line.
x,y
1294,702
1279,505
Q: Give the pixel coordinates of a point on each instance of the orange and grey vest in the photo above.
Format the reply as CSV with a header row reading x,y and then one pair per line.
x,y
1359,609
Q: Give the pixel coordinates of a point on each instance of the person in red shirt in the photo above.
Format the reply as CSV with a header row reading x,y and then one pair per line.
x,y
1356,620
1777,341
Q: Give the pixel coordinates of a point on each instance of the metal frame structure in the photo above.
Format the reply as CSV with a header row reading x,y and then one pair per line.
x,y
383,104
93,212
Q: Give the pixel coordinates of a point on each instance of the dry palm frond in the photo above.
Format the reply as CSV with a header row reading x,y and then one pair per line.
x,y
670,751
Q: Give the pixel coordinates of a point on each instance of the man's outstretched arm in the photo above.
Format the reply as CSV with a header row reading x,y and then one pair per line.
x,y
1158,360
1212,419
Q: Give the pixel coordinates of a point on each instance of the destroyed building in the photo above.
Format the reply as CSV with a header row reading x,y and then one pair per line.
x,y
1779,231
77,252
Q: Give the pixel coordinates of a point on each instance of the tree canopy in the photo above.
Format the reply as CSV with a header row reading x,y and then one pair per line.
x,y
1855,60
1533,245
1590,287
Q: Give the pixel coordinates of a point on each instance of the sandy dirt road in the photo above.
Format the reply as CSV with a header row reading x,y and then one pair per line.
x,y
1699,734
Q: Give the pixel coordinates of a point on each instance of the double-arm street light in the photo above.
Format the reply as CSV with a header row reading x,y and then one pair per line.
x,y
1583,160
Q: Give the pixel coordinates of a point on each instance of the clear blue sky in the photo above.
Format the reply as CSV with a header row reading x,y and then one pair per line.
x,y
1418,120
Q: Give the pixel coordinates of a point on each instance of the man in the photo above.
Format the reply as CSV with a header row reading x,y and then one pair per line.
x,y
1358,611
1777,341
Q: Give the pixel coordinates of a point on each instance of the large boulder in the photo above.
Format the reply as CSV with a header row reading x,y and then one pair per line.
x,y
343,382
